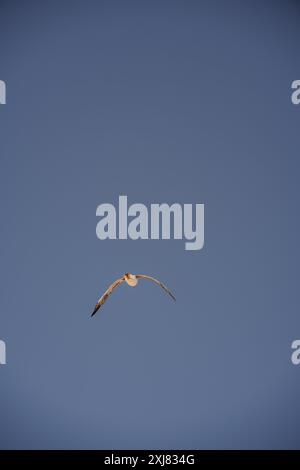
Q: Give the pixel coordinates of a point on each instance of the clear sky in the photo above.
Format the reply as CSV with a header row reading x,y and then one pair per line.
x,y
163,101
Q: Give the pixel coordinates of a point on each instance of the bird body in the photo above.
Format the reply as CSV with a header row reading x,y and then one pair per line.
x,y
132,281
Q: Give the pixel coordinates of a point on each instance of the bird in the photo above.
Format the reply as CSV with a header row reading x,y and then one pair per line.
x,y
132,281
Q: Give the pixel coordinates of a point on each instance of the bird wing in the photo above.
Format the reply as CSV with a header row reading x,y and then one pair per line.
x,y
143,276
106,294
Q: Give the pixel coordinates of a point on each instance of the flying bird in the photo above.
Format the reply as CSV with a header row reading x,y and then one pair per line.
x,y
131,280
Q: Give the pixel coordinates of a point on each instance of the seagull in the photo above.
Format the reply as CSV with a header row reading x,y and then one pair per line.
x,y
131,280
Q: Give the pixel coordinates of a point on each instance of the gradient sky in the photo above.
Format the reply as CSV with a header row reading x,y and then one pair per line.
x,y
164,101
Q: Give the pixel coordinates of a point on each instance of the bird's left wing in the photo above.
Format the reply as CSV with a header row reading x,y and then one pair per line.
x,y
107,294
159,283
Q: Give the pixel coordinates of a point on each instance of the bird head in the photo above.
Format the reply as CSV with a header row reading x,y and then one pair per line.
x,y
131,279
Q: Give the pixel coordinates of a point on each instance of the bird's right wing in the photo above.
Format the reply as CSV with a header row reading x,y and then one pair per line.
x,y
106,294
159,283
